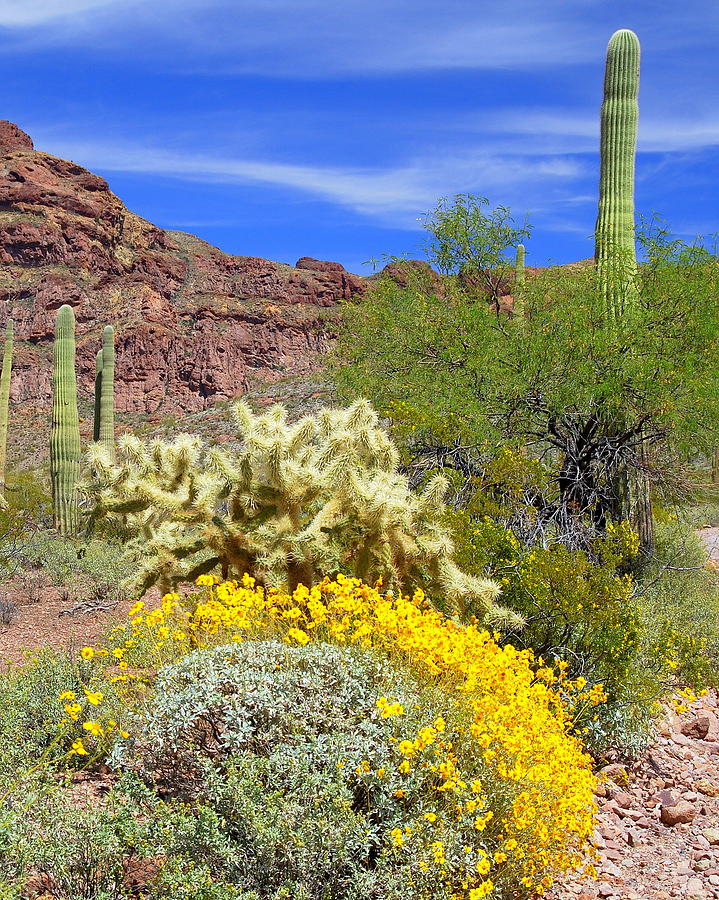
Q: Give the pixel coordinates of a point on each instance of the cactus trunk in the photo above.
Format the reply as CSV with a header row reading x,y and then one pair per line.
x,y
106,433
615,251
65,432
98,396
4,404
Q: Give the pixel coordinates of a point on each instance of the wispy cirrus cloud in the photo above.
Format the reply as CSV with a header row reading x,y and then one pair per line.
x,y
399,193
323,38
554,130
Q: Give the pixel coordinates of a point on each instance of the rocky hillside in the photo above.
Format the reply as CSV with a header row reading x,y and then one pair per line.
x,y
193,324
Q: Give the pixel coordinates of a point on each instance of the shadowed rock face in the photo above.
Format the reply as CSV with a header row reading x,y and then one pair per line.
x,y
193,324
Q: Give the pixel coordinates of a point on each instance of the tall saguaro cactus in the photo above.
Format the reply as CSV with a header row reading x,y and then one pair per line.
x,y
65,431
98,396
106,431
615,251
4,404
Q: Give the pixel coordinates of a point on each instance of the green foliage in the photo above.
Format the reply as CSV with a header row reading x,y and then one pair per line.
x,y
125,842
65,432
580,606
89,572
26,505
614,235
294,503
587,397
4,403
679,601
28,726
473,244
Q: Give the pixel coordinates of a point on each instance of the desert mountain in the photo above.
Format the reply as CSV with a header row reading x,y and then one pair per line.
x,y
194,324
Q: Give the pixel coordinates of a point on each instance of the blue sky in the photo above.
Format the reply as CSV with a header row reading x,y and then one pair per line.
x,y
327,128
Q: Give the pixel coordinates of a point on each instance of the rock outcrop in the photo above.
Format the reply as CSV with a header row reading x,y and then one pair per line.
x,y
193,324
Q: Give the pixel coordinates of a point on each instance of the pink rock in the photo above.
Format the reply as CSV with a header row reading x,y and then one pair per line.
x,y
678,814
697,727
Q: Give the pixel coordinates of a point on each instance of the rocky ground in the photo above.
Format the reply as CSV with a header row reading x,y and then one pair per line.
x,y
657,834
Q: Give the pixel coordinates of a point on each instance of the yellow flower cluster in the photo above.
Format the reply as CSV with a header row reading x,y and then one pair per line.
x,y
77,708
520,724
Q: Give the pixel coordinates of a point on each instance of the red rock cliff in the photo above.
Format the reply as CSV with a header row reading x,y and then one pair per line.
x,y
193,324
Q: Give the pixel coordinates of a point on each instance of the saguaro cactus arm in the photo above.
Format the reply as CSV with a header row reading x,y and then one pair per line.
x,y
615,251
65,431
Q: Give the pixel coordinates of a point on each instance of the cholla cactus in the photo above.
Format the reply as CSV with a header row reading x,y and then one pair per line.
x,y
293,503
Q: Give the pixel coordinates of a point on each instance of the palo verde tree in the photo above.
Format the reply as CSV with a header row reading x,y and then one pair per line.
x,y
583,396
469,240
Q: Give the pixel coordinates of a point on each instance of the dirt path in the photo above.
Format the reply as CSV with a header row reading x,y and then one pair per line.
x,y
709,536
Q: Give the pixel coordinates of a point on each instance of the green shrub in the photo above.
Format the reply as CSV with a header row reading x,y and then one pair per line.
x,y
88,572
580,606
679,603
90,852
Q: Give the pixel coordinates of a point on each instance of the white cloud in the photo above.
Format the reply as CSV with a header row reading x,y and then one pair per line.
x,y
399,193
317,38
578,132
33,13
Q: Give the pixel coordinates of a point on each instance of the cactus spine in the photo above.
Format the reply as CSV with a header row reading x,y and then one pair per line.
x,y
615,251
98,396
519,278
106,430
4,404
65,431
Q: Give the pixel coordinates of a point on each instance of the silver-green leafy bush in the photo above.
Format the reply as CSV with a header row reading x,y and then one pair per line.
x,y
289,746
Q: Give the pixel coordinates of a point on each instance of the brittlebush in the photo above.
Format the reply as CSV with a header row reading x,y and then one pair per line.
x,y
517,716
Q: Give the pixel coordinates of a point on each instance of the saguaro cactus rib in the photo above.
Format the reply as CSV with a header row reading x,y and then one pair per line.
x,y
98,396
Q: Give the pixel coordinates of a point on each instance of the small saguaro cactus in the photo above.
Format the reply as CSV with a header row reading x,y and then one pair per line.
x,y
519,274
65,431
519,278
106,432
615,250
4,404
